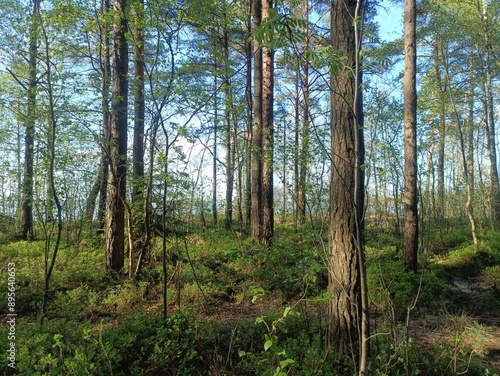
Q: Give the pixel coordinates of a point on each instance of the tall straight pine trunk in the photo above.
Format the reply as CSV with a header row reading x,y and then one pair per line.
x,y
347,321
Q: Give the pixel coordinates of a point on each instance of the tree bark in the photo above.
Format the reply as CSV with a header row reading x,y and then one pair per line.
x,y
345,232
139,107
267,135
115,219
256,209
410,236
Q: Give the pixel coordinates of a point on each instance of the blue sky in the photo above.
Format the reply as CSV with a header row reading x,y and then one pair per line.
x,y
390,19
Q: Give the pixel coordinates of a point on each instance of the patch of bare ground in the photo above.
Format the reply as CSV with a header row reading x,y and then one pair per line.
x,y
471,334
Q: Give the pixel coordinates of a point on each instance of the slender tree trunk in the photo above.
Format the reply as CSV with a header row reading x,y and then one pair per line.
x,y
115,220
469,167
304,143
490,121
139,107
249,118
296,152
256,210
49,265
410,236
466,155
136,223
492,150
229,113
345,239
214,159
29,139
267,135
100,187
440,214
91,200
106,120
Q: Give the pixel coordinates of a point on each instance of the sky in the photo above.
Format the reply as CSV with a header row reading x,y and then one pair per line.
x,y
390,19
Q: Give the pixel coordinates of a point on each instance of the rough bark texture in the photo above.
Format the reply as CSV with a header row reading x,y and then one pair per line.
x,y
267,136
344,309
115,219
29,139
410,236
256,209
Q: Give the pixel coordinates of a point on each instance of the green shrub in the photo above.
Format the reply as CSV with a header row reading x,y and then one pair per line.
x,y
392,289
76,304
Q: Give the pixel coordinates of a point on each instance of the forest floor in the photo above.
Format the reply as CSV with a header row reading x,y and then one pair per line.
x,y
476,327
227,297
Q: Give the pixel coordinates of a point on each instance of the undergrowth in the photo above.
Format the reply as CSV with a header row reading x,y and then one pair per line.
x,y
97,325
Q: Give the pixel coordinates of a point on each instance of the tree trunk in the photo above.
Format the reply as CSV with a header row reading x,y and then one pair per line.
x,y
304,142
137,223
139,109
267,135
115,219
106,120
490,121
345,240
440,213
469,167
410,236
229,113
29,139
249,119
256,210
100,186
214,154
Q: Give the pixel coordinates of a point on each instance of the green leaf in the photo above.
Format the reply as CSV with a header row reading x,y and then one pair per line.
x,y
286,362
267,345
287,310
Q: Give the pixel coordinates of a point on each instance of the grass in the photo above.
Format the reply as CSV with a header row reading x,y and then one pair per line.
x,y
227,298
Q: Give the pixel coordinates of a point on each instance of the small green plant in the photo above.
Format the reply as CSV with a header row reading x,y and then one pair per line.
x,y
280,361
76,304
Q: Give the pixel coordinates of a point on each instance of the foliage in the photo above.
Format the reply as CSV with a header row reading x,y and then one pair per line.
x,y
394,289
